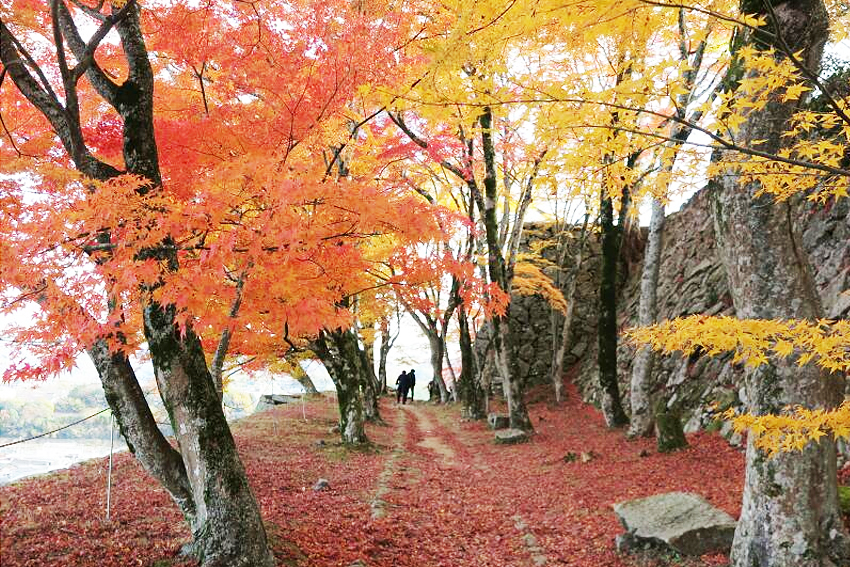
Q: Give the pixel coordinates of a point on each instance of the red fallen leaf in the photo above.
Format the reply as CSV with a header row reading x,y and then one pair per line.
x,y
453,496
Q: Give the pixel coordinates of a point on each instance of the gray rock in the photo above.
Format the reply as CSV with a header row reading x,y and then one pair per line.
x,y
498,420
322,484
685,522
511,436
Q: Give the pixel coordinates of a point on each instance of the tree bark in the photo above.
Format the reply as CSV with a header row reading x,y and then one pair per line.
x,y
641,418
789,516
514,393
338,351
228,528
612,407
437,356
469,389
304,379
139,429
369,384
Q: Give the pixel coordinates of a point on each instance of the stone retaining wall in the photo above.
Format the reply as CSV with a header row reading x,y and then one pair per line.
x,y
692,280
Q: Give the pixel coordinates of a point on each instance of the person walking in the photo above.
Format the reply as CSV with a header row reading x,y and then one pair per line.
x,y
411,382
401,387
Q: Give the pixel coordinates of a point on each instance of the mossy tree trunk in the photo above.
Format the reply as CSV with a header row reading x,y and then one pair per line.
x,y
340,353
227,526
670,433
497,270
469,391
789,516
369,384
641,418
612,406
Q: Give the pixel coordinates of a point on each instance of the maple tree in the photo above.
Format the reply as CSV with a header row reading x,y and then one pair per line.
x,y
517,164
172,196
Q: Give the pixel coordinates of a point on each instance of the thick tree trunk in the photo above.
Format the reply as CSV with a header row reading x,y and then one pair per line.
x,y
437,354
641,418
789,515
338,351
468,388
612,407
369,385
370,403
224,515
228,529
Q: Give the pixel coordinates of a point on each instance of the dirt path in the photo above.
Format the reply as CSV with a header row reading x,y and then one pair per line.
x,y
431,440
427,490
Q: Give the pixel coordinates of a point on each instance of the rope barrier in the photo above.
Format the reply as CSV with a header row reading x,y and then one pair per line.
x,y
55,430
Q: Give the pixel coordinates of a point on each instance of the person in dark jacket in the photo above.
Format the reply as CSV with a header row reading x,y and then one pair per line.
x,y
401,385
411,382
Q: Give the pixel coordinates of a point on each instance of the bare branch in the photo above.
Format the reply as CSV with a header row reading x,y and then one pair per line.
x,y
104,86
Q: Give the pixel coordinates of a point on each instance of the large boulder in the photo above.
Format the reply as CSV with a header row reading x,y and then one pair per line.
x,y
685,522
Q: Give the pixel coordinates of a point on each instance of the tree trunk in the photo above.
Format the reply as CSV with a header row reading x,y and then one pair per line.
x,y
139,429
513,385
468,388
224,515
228,529
641,419
383,353
304,379
369,384
370,403
514,393
338,351
437,354
612,407
789,516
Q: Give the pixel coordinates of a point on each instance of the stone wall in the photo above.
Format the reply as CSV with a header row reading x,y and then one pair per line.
x,y
692,280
